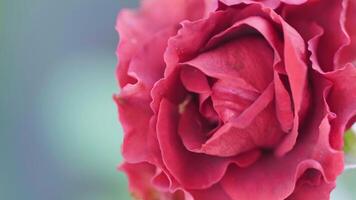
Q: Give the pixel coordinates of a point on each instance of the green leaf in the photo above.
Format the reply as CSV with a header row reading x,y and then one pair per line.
x,y
350,149
350,142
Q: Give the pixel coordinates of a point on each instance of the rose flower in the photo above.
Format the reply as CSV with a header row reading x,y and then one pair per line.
x,y
236,99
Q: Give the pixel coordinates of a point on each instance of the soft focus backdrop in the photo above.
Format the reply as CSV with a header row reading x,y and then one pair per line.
x,y
60,137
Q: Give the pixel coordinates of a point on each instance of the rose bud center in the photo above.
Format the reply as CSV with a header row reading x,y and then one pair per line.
x,y
230,107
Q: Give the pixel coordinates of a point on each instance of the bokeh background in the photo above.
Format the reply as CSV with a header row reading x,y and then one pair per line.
x,y
60,137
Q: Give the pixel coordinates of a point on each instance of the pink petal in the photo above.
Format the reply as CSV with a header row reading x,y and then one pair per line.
x,y
348,53
143,172
268,3
229,141
194,80
250,113
231,97
197,82
331,18
294,53
283,102
307,190
135,28
313,44
277,176
342,101
183,164
239,59
135,118
215,192
192,128
140,183
133,101
147,65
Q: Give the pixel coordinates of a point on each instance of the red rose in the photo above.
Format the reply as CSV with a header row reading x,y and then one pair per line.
x,y
236,99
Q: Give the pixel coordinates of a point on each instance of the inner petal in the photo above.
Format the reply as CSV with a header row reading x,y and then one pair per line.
x,y
198,84
231,99
249,58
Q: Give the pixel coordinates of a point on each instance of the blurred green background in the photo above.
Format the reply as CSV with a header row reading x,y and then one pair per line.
x,y
60,137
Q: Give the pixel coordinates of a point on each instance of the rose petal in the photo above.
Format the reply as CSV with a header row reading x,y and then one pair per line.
x,y
239,59
134,99
348,53
313,43
140,184
247,24
342,101
230,140
296,68
195,81
268,3
147,65
311,191
192,128
143,172
213,193
231,97
271,171
250,113
183,164
311,151
137,27
331,18
283,101
132,102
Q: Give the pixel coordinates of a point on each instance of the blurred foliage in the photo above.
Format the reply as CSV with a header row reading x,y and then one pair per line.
x,y
350,142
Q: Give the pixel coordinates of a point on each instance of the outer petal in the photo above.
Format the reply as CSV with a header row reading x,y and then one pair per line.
x,y
143,172
311,186
135,28
330,16
342,101
140,184
348,54
268,3
143,39
277,176
133,102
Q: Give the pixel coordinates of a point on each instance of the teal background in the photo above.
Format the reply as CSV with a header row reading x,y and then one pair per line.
x,y
60,137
